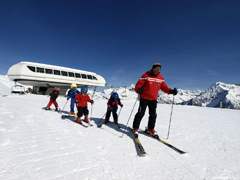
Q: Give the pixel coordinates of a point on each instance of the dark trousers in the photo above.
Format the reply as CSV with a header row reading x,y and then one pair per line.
x,y
152,105
114,112
82,110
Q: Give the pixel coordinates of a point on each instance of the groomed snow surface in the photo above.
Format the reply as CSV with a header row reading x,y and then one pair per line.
x,y
38,144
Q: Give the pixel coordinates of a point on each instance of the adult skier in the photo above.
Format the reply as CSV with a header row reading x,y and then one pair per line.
x,y
82,99
148,86
53,99
112,104
72,93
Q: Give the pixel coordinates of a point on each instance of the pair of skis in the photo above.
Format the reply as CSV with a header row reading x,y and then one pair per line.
x,y
143,152
83,123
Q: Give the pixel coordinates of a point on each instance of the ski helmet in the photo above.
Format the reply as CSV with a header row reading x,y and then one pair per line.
x,y
115,95
56,89
73,85
84,89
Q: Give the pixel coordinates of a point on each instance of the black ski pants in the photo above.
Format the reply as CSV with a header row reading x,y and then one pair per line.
x,y
152,105
114,112
82,110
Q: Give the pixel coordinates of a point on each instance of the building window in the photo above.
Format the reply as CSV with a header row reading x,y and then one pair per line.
x,y
70,74
40,70
84,76
56,72
64,73
78,75
31,68
48,71
89,76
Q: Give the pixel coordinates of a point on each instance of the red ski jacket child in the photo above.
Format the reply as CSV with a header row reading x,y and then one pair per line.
x,y
83,100
151,85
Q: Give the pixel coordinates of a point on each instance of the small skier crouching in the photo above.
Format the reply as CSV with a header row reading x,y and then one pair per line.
x,y
82,99
53,99
112,107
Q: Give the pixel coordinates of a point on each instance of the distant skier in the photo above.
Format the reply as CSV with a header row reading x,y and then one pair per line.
x,y
82,99
72,93
112,107
148,86
53,97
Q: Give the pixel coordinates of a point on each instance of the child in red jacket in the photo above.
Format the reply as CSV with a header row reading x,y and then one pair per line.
x,y
53,99
82,99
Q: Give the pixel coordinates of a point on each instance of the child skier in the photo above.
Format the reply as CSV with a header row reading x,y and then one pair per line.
x,y
72,93
82,99
54,96
112,107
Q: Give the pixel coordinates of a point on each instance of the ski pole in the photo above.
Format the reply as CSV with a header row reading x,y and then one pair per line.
x,y
119,112
101,118
170,118
130,115
92,104
64,106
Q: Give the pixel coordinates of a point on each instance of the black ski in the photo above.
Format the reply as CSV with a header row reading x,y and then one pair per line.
x,y
88,123
164,142
81,124
138,143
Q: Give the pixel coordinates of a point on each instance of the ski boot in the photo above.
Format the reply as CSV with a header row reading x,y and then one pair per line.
x,y
79,120
135,132
56,108
71,113
47,108
106,121
86,119
116,122
152,132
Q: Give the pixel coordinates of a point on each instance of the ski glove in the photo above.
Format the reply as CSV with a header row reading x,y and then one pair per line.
x,y
173,91
110,109
121,105
92,101
77,101
140,90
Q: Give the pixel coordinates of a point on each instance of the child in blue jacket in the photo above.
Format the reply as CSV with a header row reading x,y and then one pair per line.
x,y
112,104
72,93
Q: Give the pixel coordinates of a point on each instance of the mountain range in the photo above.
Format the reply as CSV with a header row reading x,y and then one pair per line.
x,y
219,95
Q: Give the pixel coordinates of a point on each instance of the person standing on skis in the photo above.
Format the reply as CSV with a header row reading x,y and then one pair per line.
x,y
72,93
148,86
112,107
53,98
82,99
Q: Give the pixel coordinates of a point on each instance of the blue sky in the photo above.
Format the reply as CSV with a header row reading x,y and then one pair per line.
x,y
197,42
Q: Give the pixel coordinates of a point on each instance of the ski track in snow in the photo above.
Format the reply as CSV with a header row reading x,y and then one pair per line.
x,y
38,144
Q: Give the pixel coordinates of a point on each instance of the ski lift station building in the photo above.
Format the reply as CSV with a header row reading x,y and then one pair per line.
x,y
45,77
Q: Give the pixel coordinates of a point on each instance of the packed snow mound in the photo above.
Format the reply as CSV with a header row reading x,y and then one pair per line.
x,y
6,86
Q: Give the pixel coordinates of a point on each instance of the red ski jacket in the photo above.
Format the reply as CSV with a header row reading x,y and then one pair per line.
x,y
82,100
151,85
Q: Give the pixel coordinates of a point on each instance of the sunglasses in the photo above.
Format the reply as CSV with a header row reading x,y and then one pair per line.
x,y
156,69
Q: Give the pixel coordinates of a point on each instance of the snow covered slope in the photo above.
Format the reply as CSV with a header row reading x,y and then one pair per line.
x,y
38,144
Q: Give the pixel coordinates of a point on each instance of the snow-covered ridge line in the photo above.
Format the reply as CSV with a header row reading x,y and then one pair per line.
x,y
219,95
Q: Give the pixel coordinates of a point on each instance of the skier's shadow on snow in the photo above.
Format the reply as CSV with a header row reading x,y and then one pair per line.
x,y
123,131
110,124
